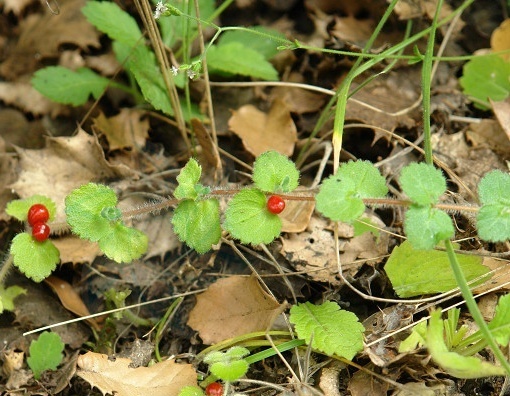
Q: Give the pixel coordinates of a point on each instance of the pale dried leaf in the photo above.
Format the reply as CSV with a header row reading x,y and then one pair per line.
x,y
69,162
25,97
261,131
209,150
501,277
125,130
70,299
42,35
500,38
491,134
296,216
16,6
117,377
502,112
231,307
76,250
8,170
162,238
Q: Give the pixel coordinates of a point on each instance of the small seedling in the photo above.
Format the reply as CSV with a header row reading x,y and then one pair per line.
x,y
45,353
229,365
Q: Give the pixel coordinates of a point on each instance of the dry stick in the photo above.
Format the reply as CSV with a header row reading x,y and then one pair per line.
x,y
145,11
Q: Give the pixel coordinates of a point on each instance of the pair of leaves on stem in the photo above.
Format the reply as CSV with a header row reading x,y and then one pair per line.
x,y
196,219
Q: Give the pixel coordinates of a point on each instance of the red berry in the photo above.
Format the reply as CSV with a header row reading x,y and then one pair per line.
x,y
40,231
275,204
214,389
37,213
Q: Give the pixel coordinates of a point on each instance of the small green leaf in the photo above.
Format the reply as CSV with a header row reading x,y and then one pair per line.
x,y
188,178
454,364
112,20
330,329
500,325
263,45
494,188
235,58
228,365
366,225
7,296
65,86
425,227
422,183
35,259
191,390
274,172
45,353
415,272
337,199
486,77
123,244
198,223
84,207
248,219
19,207
369,182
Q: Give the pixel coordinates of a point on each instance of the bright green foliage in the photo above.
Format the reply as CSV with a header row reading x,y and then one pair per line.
x,y
422,183
330,329
340,195
425,227
228,365
275,173
365,225
188,178
453,363
84,208
19,207
486,77
248,219
236,58
88,209
111,19
45,353
7,296
263,45
493,219
123,244
174,28
35,259
65,86
415,340
500,325
191,391
415,272
198,223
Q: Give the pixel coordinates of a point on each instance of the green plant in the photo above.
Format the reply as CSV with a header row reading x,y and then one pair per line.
x,y
45,353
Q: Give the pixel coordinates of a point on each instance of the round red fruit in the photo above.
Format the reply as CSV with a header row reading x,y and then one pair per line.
x,y
275,204
40,231
38,213
214,389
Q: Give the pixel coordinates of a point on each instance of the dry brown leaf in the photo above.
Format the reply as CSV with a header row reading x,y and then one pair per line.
x,y
162,238
296,216
491,134
125,130
261,132
66,163
298,100
500,278
209,150
76,250
25,97
500,38
7,170
231,307
42,35
70,299
502,112
117,377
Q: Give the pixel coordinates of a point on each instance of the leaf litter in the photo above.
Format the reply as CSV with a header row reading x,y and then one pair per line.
x,y
140,154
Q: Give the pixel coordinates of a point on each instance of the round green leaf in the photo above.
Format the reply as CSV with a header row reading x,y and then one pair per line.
x,y
187,179
425,227
197,223
494,188
35,259
45,353
328,328
123,244
493,223
230,371
423,183
274,172
337,201
19,207
84,207
248,219
368,181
